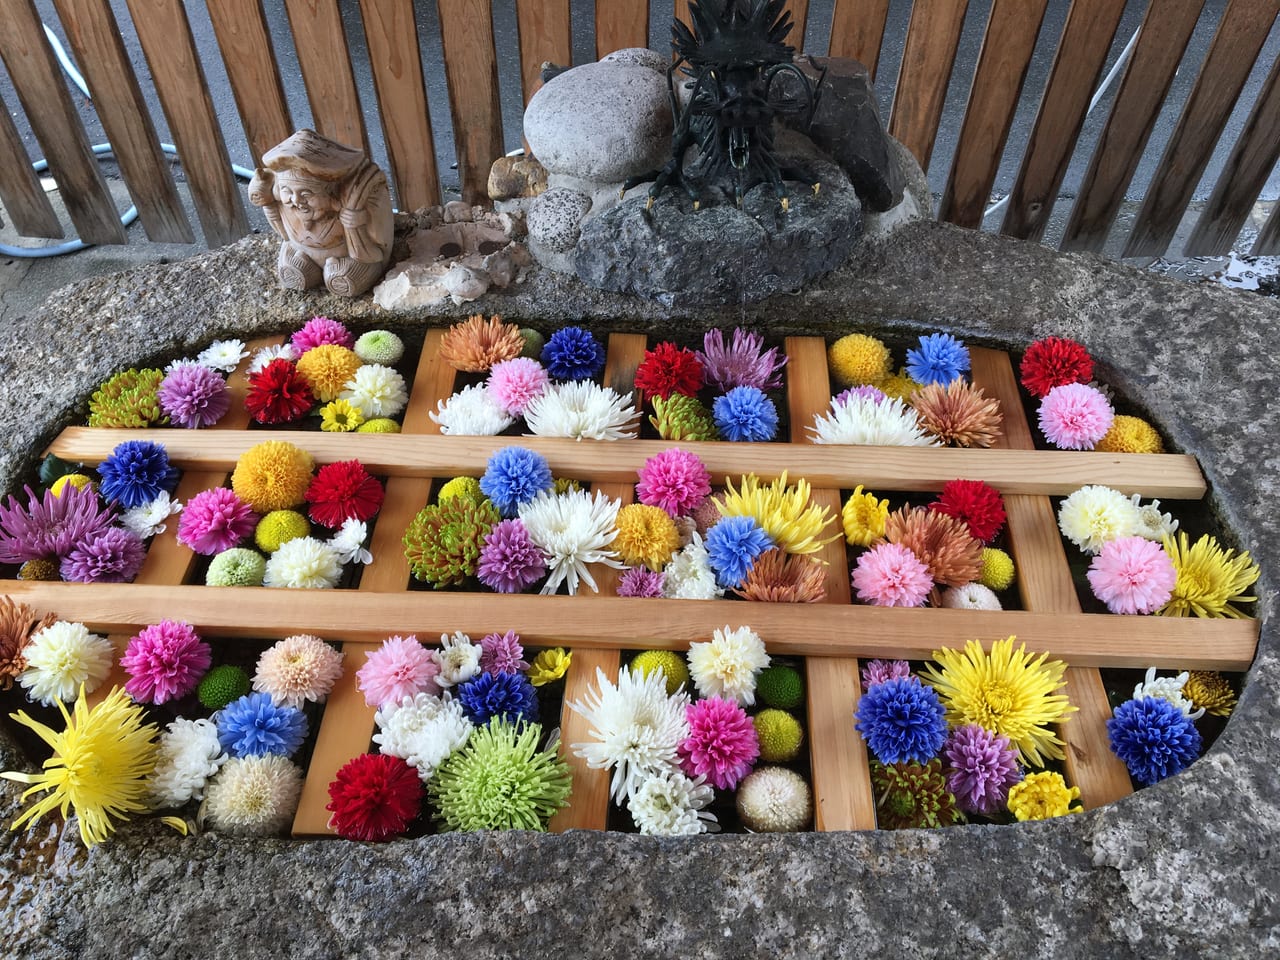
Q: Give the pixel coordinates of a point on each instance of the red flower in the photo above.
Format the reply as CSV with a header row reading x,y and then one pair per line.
x,y
974,503
1052,362
278,393
374,797
341,491
668,369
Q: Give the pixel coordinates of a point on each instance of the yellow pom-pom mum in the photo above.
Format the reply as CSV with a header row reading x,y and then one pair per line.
x,y
273,475
864,517
1041,796
379,425
899,386
857,359
780,735
670,663
279,527
1210,691
997,569
465,487
647,536
77,480
327,368
1130,435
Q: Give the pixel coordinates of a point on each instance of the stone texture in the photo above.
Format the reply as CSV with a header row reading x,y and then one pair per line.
x,y
916,203
639,57
513,177
554,217
1186,868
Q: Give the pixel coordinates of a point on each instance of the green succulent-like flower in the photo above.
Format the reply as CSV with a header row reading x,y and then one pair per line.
x,y
379,346
683,418
913,795
128,400
443,541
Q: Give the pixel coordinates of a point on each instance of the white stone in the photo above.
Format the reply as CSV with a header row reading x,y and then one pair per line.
x,y
554,217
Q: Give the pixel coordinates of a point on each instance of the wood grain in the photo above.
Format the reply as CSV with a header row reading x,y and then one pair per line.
x,y
927,59
546,36
1268,242
857,31
471,69
24,198
620,24
249,55
325,61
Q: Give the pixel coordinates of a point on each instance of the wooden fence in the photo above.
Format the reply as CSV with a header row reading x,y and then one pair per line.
x,y
471,59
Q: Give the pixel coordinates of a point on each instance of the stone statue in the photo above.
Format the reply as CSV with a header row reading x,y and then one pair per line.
x,y
331,205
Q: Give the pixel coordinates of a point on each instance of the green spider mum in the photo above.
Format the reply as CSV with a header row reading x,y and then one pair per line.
x,y
443,542
683,418
913,795
128,400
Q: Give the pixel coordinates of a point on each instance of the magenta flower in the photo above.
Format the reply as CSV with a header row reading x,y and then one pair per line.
x,y
878,671
1075,416
1132,575
502,653
113,555
674,480
514,383
165,662
50,525
890,575
401,667
193,395
215,520
319,331
722,744
741,363
981,767
509,559
641,582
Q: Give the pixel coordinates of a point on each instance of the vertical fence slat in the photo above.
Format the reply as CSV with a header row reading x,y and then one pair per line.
x,y
1268,242
545,35
392,35
471,68
927,58
325,61
1231,57
25,200
857,30
250,59
1077,66
621,24
1166,31
56,123
799,10
1007,47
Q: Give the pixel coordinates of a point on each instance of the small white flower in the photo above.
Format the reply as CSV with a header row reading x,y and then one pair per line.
x,y
970,596
174,365
471,412
727,665
1152,524
459,659
422,731
187,755
264,355
224,355
253,796
1168,688
1095,514
303,562
348,542
575,529
881,422
671,805
581,408
688,574
377,390
149,519
63,656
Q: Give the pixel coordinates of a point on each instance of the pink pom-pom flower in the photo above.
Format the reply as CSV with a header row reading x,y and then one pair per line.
x,y
164,662
320,331
401,667
675,480
215,520
1075,416
891,575
722,744
1132,575
513,384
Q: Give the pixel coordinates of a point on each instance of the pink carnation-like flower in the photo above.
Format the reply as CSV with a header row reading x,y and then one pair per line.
x,y
674,480
165,661
1132,575
722,744
878,671
502,653
891,575
514,383
401,667
1075,416
319,331
215,520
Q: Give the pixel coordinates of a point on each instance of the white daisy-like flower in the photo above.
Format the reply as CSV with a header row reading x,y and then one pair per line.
x,y
688,574
1168,688
726,666
377,390
149,519
669,804
970,596
348,542
174,365
574,528
459,659
253,796
882,422
60,658
582,409
187,755
1152,524
471,412
422,731
1095,514
264,355
303,562
224,355
636,728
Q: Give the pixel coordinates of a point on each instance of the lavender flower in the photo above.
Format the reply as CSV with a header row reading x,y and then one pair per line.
x,y
193,395
502,653
641,582
509,559
51,525
113,555
981,767
740,364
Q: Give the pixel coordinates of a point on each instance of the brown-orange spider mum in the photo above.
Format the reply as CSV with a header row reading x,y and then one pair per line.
x,y
476,344
958,414
942,543
778,577
17,623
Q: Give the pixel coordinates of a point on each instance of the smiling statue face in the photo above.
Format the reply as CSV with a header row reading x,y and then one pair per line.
x,y
309,200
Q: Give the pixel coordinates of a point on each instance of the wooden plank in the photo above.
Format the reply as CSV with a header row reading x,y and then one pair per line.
x,y
857,30
392,35
620,24
325,61
799,10
249,55
24,198
927,58
1268,242
1166,30
165,34
1077,67
589,802
1007,46
1235,48
546,36
471,69
54,120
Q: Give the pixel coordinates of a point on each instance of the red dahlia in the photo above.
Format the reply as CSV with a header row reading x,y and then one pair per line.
x,y
975,504
374,797
1053,362
342,491
668,369
278,393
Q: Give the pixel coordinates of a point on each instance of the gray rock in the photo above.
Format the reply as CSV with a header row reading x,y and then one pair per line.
x,y
916,202
639,57
554,217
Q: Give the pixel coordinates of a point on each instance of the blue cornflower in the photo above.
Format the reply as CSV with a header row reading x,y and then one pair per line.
x,y
573,353
745,413
136,473
254,726
515,475
940,359
733,545
1154,738
902,720
508,695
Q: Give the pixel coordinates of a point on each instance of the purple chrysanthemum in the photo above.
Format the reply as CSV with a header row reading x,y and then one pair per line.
x,y
902,720
193,395
1075,416
878,671
733,545
254,726
137,472
490,695
215,520
49,526
502,653
509,559
745,414
675,480
319,331
862,390
113,555
1153,737
165,661
741,363
722,744
981,767
641,582
572,353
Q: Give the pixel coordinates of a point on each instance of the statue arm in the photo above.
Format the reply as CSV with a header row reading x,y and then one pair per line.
x,y
262,194
364,205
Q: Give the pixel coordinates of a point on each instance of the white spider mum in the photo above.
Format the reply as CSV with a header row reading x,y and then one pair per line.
x,y
575,529
63,656
471,412
348,542
187,755
224,355
149,519
881,422
1095,514
422,730
1168,688
377,390
305,563
581,408
726,666
688,574
671,805
459,659
1152,524
264,355
635,727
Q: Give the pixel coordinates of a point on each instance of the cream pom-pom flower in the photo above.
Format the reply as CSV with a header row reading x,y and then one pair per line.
x,y
422,730
459,659
304,563
726,666
298,669
62,657
253,796
377,390
1095,514
471,412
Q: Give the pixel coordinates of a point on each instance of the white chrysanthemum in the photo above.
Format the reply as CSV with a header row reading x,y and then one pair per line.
x,y
149,519
471,412
187,755
582,408
60,658
377,390
688,574
459,659
635,726
303,562
575,528
1152,524
264,355
883,422
1168,688
1095,514
970,596
773,799
671,805
726,666
223,355
348,542
298,669
253,796
422,731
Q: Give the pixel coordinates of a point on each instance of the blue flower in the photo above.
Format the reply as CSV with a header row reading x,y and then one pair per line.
x,y
940,359
733,545
572,353
1154,738
902,720
515,475
508,695
254,726
745,413
136,473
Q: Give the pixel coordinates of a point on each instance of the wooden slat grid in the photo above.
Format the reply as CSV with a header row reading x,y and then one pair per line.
x,y
471,69
857,31
325,61
546,36
927,58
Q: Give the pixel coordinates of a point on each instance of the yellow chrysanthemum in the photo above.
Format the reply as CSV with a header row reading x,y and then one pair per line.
x,y
783,512
77,480
273,475
327,368
549,666
997,569
858,359
1210,691
379,425
1210,579
99,768
565,485
863,517
1006,692
647,536
467,487
669,662
339,416
279,527
898,386
1041,796
1130,435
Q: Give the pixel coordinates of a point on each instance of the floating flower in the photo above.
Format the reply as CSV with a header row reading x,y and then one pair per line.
x,y
339,416
165,661
149,519
885,422
912,795
137,472
1130,435
374,797
221,685
733,546
444,540
745,414
978,505
773,800
278,393
194,396
468,487
1132,575
669,804
997,571
254,796
783,512
669,662
778,577
1092,515
402,667
319,331
507,695
981,767
509,559
1054,362
1152,524
891,575
476,344
458,657
1209,691
502,653
114,555
1042,796
303,564
514,476
279,527
581,409
1168,688
780,735
898,386
940,359
863,517
127,400
343,491
549,666
272,476
958,413
722,744
327,368
298,670
683,418
574,529
423,730
17,623
264,355
1075,416
780,686
216,520
63,658
348,542
675,480
666,369
727,665
647,536
255,725
572,353
379,346
941,543
742,363
689,575
187,755
513,384
902,720
879,671
1210,578
376,390
471,412
641,583
970,596
857,358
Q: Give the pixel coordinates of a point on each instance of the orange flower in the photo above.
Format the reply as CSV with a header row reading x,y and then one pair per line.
x,y
958,413
476,344
942,543
778,577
